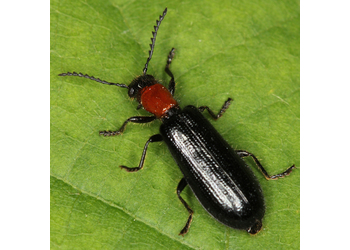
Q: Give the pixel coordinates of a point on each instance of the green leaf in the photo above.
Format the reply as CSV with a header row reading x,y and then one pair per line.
x,y
247,50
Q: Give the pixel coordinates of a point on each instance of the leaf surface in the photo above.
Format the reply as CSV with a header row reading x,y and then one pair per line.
x,y
245,50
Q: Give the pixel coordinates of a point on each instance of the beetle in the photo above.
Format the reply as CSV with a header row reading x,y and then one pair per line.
x,y
217,174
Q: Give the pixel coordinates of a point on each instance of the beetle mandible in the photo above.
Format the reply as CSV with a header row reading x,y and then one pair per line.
x,y
217,174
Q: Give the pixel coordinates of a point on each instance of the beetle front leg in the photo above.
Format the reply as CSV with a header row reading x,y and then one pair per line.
x,y
221,112
243,153
180,187
153,138
134,119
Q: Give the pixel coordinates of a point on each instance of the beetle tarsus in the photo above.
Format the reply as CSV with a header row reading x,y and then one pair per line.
x,y
109,133
281,175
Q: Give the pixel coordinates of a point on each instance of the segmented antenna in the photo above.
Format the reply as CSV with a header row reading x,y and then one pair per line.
x,y
153,39
94,79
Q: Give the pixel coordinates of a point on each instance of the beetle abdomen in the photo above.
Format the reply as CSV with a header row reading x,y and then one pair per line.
x,y
219,178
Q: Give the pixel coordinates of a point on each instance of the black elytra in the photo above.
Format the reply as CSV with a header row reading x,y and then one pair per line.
x,y
220,179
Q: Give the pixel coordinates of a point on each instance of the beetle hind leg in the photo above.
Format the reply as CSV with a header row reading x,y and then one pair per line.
x,y
180,187
243,153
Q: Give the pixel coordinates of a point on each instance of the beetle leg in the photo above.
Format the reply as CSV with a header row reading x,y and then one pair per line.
x,y
171,87
221,112
243,153
134,119
153,138
180,187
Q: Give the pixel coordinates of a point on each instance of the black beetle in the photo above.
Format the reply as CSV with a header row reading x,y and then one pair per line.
x,y
217,175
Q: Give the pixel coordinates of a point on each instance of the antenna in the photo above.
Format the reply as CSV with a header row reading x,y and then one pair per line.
x,y
153,39
94,79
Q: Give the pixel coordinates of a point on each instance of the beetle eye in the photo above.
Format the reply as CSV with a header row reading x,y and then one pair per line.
x,y
131,92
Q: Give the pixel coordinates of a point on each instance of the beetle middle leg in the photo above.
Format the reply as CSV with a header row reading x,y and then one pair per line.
x,y
171,87
243,153
134,119
153,138
221,112
180,187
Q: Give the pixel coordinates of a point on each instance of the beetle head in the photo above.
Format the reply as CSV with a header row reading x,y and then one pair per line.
x,y
138,84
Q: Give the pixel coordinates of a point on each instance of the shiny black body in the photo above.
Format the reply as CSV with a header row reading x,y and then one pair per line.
x,y
217,175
